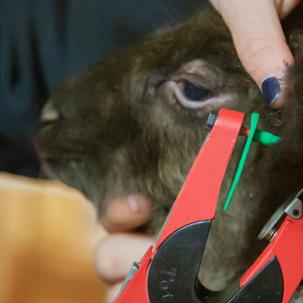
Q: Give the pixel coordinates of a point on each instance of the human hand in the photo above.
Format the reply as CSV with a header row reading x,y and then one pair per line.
x,y
117,252
260,42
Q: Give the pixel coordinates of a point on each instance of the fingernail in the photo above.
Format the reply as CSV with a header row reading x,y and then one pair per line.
x,y
271,89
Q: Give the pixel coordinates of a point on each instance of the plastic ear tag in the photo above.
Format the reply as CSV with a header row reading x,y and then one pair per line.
x,y
256,135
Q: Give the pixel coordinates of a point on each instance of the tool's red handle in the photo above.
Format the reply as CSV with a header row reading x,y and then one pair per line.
x,y
198,198
287,247
136,290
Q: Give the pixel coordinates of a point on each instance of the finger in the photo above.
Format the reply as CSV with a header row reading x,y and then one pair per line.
x,y
260,43
116,253
286,6
112,292
126,213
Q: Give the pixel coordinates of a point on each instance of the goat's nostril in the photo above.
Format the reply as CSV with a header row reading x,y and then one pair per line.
x,y
49,113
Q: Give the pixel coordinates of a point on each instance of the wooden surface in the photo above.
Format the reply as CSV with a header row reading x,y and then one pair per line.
x,y
47,236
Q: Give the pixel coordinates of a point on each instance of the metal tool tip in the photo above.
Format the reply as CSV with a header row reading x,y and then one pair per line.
x,y
211,120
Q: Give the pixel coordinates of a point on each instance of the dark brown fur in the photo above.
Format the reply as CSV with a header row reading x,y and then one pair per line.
x,y
117,132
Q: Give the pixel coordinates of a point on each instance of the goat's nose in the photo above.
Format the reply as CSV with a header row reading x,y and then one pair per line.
x,y
49,113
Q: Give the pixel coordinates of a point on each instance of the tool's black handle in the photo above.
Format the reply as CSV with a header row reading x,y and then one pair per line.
x,y
173,274
174,270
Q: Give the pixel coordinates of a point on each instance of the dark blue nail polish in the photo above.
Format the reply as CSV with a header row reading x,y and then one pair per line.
x,y
271,89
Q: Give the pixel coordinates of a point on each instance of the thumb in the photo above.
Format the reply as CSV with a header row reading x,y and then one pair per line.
x,y
260,43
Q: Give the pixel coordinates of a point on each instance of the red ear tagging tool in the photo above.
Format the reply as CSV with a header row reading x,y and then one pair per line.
x,y
168,272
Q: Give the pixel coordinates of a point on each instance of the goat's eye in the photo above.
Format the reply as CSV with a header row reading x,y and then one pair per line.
x,y
195,93
197,86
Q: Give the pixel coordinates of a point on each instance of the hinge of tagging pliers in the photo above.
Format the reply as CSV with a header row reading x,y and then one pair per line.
x,y
294,209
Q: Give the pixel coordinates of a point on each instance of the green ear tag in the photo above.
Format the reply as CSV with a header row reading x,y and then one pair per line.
x,y
256,135
253,128
265,138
